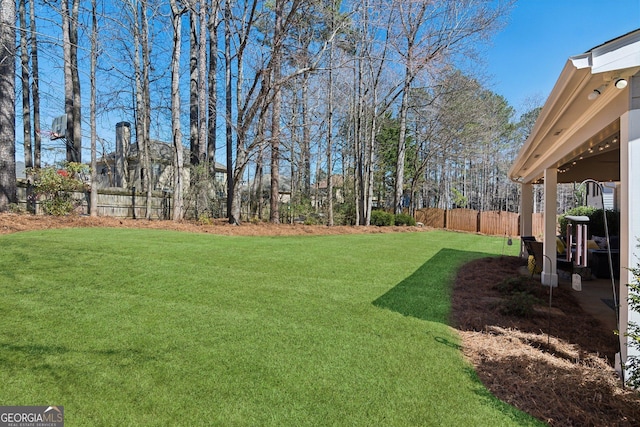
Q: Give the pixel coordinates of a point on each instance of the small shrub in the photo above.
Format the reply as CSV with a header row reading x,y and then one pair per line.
x,y
519,304
404,219
16,208
205,219
513,285
633,330
596,220
345,214
54,186
381,218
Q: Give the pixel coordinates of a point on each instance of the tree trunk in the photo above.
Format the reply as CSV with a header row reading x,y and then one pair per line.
x,y
75,82
193,92
178,151
26,104
7,111
276,70
146,123
233,215
202,83
306,137
93,199
35,89
330,130
402,143
213,85
68,81
257,183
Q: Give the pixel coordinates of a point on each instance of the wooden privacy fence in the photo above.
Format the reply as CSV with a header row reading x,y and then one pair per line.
x,y
489,222
499,222
121,203
432,217
462,220
114,202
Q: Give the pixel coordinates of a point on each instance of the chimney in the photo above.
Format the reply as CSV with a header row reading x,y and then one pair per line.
x,y
123,138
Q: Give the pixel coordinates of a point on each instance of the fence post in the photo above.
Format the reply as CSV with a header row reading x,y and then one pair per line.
x,y
31,198
133,201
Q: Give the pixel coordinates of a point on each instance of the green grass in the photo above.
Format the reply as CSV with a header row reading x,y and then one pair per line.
x,y
144,327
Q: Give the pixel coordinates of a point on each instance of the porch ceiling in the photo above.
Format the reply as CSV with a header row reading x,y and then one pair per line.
x,y
576,133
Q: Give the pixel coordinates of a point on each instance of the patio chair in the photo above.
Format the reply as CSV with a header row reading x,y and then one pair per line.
x,y
536,257
535,249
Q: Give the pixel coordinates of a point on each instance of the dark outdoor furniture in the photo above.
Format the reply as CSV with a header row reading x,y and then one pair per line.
x,y
535,249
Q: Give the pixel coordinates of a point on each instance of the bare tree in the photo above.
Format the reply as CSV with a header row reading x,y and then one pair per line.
x,y
429,33
232,215
370,62
35,88
213,23
75,81
73,154
332,10
141,67
202,81
93,201
26,92
7,112
194,143
275,76
178,150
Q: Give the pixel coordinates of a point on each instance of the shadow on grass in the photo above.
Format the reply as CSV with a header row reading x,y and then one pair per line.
x,y
27,353
426,294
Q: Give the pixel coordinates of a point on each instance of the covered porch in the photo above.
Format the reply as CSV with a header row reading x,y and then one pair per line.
x,y
589,130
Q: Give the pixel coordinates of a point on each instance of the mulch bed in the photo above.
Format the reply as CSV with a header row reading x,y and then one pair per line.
x,y
555,364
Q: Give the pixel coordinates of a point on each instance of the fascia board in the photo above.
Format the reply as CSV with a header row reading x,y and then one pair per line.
x,y
553,108
598,116
581,61
618,54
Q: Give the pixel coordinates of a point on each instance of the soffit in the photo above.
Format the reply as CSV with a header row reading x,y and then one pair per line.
x,y
570,124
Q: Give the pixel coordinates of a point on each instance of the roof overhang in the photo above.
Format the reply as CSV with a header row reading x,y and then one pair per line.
x,y
577,133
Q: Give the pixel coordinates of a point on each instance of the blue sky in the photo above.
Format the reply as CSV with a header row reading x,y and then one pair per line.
x,y
527,56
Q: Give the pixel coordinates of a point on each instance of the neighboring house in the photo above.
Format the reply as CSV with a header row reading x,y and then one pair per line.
x,y
122,169
607,194
319,198
589,129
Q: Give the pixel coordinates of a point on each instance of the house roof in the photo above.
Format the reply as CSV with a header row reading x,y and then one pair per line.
x,y
161,152
577,132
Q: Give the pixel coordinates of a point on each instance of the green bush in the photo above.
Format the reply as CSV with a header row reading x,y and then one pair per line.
x,y
633,330
54,186
16,208
404,219
345,214
596,220
381,218
513,285
519,304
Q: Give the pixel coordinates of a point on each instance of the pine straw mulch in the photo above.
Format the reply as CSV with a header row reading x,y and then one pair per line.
x,y
555,364
14,222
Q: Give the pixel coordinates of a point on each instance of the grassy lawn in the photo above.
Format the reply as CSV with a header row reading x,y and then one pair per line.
x,y
148,327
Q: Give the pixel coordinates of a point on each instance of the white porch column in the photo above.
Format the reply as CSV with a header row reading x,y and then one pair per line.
x,y
549,273
526,212
629,209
